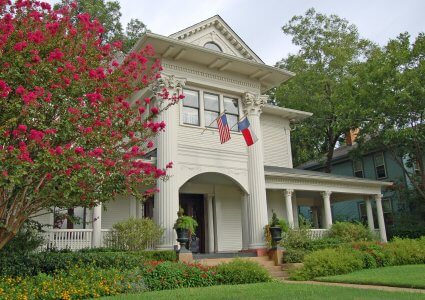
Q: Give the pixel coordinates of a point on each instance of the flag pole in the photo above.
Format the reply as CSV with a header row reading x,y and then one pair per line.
x,y
213,121
243,117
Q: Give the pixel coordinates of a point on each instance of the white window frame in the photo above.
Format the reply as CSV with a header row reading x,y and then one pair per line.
x,y
376,166
358,170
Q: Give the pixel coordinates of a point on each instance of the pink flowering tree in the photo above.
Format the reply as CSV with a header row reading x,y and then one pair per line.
x,y
68,134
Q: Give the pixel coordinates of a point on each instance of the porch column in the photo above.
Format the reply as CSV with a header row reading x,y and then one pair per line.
x,y
210,223
369,212
96,238
315,216
167,199
257,203
381,221
295,211
327,206
288,205
245,223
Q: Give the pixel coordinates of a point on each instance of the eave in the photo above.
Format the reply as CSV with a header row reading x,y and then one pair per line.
x,y
172,49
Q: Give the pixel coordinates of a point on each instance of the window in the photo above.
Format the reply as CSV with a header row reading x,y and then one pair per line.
x,y
380,166
213,46
191,107
358,168
211,109
232,112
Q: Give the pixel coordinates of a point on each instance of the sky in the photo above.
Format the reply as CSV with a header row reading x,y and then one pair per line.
x,y
259,22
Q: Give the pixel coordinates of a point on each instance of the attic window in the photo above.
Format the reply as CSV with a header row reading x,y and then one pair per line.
x,y
213,46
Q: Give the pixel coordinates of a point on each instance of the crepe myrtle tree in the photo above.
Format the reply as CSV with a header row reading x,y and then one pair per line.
x,y
68,135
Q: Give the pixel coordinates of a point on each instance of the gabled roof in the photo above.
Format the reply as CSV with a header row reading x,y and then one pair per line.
x,y
226,32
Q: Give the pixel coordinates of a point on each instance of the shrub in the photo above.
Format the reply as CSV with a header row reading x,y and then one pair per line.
x,y
171,275
326,242
240,271
76,283
294,255
328,262
49,263
297,239
134,234
404,252
350,232
26,240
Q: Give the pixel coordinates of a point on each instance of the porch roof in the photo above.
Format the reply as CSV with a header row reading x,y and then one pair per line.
x,y
280,176
298,173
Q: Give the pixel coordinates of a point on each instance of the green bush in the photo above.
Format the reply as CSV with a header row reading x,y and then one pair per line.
x,y
240,271
76,283
294,255
134,234
171,275
350,232
26,240
50,262
326,242
297,239
328,262
404,252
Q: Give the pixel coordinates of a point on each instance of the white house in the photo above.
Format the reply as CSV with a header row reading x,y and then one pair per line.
x,y
231,189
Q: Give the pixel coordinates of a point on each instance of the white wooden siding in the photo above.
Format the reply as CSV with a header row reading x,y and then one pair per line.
x,y
276,203
229,231
276,143
116,211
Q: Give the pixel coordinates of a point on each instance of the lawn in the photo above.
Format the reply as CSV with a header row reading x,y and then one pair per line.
x,y
273,290
411,276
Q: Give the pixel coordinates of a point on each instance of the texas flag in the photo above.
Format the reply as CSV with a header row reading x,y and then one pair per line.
x,y
248,134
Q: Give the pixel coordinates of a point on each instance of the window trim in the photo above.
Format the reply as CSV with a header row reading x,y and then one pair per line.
x,y
235,128
362,168
376,166
201,92
190,106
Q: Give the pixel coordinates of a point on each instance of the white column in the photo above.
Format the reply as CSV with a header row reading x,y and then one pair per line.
x,y
369,212
257,203
167,199
210,223
133,207
381,221
295,210
288,205
327,206
96,238
245,223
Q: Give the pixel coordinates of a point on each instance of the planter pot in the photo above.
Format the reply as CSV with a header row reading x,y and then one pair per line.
x,y
182,238
276,233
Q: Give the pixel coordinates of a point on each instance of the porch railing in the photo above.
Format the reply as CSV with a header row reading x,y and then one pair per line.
x,y
73,239
318,233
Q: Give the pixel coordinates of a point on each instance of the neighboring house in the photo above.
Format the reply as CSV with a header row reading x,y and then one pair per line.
x,y
376,165
231,189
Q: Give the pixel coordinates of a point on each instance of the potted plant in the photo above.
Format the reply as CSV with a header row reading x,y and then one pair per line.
x,y
274,229
185,227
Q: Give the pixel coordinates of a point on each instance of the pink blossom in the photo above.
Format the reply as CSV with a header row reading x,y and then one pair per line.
x,y
154,110
20,46
150,144
79,150
56,54
22,127
4,89
142,110
59,150
97,151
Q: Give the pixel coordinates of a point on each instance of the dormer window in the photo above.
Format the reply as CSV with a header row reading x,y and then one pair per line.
x,y
213,46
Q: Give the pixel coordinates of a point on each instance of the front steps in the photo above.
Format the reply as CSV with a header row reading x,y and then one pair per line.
x,y
275,271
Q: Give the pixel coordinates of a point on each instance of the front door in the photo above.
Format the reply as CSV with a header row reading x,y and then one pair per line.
x,y
193,205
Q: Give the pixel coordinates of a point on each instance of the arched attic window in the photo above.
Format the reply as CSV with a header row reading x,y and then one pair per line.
x,y
213,46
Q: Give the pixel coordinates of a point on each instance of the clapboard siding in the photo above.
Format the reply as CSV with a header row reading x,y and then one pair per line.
x,y
116,211
230,222
276,144
276,203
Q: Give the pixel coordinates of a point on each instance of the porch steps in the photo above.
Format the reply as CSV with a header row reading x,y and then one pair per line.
x,y
275,271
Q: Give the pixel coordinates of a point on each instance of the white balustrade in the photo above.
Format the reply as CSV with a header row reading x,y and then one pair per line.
x,y
72,239
316,234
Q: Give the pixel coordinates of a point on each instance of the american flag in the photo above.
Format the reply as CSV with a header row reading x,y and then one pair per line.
x,y
223,128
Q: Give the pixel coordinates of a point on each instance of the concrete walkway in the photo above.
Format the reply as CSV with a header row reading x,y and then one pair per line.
x,y
360,286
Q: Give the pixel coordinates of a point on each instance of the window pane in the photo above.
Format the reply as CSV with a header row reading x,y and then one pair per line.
x,y
191,98
190,115
232,120
210,117
213,46
380,172
379,160
211,102
386,205
362,208
231,105
359,174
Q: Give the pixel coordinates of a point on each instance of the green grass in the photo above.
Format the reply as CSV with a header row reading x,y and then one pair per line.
x,y
411,276
273,290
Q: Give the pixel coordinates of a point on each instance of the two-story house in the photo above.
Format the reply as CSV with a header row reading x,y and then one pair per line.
x,y
230,188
